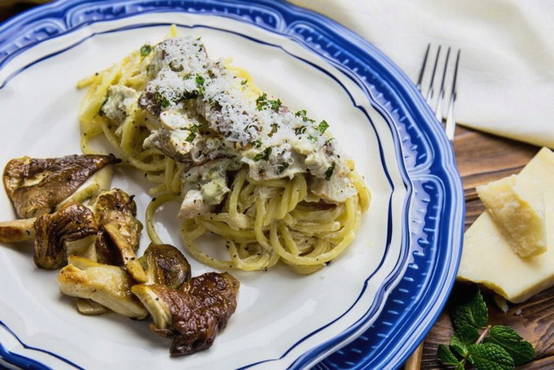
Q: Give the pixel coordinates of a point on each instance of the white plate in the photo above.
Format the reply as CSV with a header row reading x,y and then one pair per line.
x,y
280,316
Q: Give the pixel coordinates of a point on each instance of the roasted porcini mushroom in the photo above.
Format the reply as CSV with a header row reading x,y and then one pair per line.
x,y
17,230
115,212
109,286
193,314
37,186
70,230
164,264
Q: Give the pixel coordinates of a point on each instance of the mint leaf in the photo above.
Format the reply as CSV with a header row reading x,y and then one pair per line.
x,y
467,334
474,313
489,356
506,337
447,357
458,346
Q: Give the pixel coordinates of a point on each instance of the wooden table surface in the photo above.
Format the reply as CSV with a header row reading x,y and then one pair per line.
x,y
481,158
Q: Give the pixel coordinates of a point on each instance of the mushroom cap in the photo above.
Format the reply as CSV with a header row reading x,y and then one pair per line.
x,y
36,186
115,212
192,315
70,223
164,264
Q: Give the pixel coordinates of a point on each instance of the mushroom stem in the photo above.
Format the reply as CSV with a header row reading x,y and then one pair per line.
x,y
17,230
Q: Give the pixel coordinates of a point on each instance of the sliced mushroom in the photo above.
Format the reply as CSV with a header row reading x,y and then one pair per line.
x,y
119,238
109,286
73,225
36,186
17,231
164,264
89,307
192,315
119,209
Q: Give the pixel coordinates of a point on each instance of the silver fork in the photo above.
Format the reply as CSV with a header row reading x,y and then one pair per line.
x,y
437,101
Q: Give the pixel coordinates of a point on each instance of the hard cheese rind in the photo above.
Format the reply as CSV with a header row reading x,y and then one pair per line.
x,y
521,222
488,258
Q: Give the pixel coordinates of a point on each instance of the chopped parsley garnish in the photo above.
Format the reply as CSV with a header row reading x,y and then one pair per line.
x,y
244,82
191,137
275,104
312,138
258,143
274,128
282,167
303,114
263,155
194,129
329,172
145,50
323,125
261,101
300,130
162,100
200,84
264,103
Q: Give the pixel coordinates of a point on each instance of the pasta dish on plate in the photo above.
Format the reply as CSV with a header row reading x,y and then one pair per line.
x,y
270,182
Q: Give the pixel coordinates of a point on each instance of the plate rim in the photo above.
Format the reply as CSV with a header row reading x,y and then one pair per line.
x,y
34,15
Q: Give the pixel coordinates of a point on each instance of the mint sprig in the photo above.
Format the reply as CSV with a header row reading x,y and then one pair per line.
x,y
506,337
472,314
490,356
485,347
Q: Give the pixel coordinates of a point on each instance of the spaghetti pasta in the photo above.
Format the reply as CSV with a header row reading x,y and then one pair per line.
x,y
262,220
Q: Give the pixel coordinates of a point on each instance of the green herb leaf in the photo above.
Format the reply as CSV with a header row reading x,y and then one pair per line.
x,y
447,357
323,125
258,143
506,337
244,82
282,167
329,172
312,138
145,50
303,114
162,100
200,84
300,130
191,137
263,155
474,313
490,356
274,128
458,346
275,104
467,334
261,101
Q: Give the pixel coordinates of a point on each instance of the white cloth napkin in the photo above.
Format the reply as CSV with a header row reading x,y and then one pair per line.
x,y
506,81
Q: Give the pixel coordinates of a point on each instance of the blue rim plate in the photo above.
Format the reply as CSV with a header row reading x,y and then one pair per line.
x,y
412,295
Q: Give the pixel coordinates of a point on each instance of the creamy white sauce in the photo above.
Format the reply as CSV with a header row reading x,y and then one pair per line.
x,y
204,115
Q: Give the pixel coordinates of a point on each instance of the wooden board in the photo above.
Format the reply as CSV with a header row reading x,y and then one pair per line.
x,y
483,158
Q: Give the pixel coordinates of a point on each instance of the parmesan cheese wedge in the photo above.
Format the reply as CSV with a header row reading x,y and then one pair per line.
x,y
488,257
520,221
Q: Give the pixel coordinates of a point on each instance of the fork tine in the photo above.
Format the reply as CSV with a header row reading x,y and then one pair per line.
x,y
440,100
423,65
431,92
450,121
